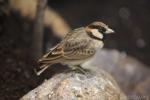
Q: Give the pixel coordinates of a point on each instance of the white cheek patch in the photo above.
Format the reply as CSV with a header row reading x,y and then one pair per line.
x,y
96,33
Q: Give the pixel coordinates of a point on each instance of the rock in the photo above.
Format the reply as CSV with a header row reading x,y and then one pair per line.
x,y
143,88
77,86
129,72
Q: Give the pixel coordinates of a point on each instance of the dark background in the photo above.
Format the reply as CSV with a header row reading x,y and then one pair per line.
x,y
129,18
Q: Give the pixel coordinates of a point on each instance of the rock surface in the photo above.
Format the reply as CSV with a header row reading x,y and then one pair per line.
x,y
129,72
77,86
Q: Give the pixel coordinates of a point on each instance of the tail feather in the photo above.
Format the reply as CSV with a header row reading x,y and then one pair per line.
x,y
50,59
42,69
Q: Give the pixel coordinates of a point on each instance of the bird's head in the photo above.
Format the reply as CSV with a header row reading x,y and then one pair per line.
x,y
98,30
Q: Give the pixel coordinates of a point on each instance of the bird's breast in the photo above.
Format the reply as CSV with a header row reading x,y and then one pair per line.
x,y
97,44
76,62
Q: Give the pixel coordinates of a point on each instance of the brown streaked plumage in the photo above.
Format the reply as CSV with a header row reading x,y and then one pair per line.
x,y
78,46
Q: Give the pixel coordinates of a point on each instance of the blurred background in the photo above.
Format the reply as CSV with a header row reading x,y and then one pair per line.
x,y
129,18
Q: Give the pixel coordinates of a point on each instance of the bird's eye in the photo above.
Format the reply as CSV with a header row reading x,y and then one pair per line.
x,y
102,29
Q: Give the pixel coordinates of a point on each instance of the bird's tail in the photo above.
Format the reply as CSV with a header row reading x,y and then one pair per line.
x,y
42,69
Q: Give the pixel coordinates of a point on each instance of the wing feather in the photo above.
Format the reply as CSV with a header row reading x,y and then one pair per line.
x,y
72,47
78,49
53,54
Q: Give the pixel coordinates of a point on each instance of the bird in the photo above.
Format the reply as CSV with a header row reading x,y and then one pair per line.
x,y
77,46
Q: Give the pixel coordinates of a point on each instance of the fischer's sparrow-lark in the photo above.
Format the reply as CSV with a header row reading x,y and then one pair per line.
x,y
78,46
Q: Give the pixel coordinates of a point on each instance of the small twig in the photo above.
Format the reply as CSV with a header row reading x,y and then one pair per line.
x,y
38,29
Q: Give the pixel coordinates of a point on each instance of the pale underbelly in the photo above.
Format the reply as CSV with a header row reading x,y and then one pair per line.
x,y
75,62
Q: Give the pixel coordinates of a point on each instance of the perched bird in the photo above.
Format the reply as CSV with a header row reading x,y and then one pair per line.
x,y
78,46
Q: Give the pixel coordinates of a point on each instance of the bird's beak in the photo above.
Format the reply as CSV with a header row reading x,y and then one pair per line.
x,y
109,31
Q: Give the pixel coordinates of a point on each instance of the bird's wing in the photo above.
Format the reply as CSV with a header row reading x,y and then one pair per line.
x,y
71,49
77,49
52,55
